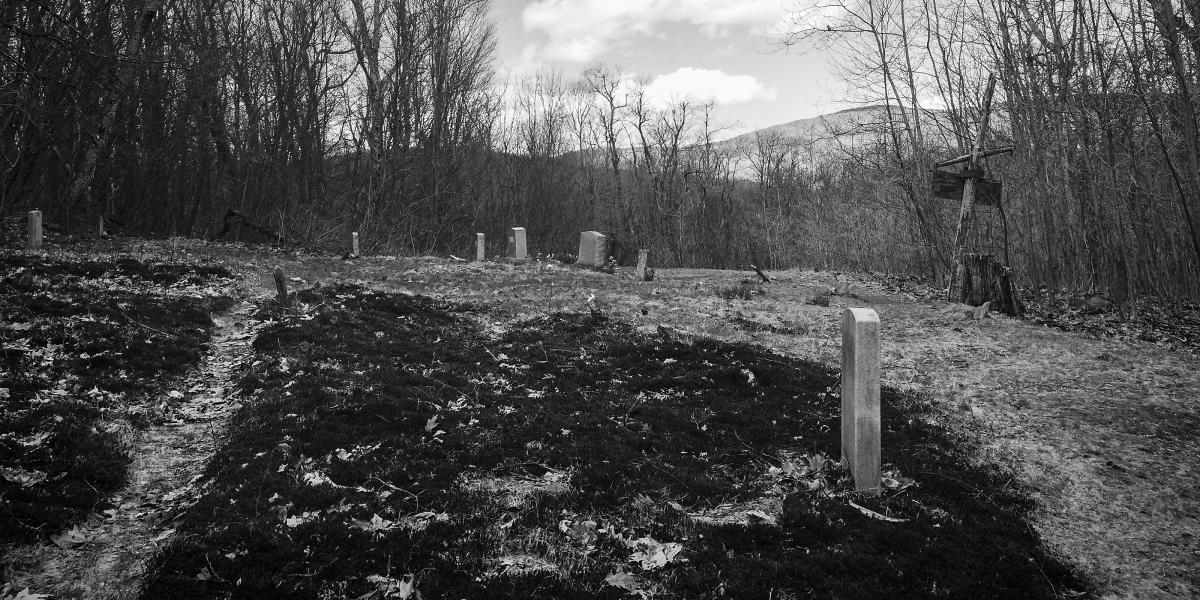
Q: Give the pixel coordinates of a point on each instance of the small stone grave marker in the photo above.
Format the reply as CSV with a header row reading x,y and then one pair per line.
x,y
592,248
281,286
516,243
860,397
480,255
34,222
643,258
354,244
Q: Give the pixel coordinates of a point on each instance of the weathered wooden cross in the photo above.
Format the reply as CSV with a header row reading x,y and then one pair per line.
x,y
972,176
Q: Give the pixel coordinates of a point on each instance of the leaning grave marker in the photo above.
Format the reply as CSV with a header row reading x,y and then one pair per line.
x,y
593,247
860,397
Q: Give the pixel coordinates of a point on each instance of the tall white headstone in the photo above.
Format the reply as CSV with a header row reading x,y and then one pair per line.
x,y
516,243
860,397
480,255
593,248
354,244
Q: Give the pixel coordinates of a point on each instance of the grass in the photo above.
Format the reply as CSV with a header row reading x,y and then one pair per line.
x,y
87,346
393,441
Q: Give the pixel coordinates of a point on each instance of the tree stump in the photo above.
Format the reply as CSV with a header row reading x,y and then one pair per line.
x,y
983,279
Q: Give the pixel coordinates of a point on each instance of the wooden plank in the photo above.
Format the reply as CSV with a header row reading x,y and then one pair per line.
x,y
860,398
950,186
947,185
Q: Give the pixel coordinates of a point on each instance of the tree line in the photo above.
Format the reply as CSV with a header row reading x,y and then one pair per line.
x,y
314,118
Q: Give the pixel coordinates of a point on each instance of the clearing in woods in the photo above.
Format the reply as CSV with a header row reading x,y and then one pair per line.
x,y
510,437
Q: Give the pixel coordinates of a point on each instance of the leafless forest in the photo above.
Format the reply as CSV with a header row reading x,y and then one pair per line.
x,y
313,118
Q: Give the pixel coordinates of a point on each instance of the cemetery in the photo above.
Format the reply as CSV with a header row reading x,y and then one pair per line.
x,y
383,427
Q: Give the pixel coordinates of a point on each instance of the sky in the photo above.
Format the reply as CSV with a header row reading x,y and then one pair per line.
x,y
725,50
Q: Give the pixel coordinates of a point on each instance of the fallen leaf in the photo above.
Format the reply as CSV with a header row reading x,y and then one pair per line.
x,y
25,594
652,554
70,539
625,581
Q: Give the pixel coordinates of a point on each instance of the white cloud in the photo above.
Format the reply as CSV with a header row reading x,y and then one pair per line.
x,y
706,84
581,30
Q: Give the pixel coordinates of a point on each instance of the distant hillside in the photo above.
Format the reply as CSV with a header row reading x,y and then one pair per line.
x,y
819,137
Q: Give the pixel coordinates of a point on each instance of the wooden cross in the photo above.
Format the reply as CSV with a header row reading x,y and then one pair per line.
x,y
972,174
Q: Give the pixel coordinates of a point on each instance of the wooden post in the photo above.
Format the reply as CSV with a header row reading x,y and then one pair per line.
x,y
480,254
34,222
640,272
354,244
281,287
860,397
968,197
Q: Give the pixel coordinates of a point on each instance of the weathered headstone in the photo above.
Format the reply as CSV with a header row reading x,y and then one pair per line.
x,y
516,243
354,244
639,273
102,231
593,247
281,286
34,222
480,255
860,397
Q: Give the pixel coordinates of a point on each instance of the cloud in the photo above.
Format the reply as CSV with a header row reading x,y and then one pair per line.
x,y
706,84
581,30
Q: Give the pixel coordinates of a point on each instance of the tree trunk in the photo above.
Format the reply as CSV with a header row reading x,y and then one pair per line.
x,y
986,280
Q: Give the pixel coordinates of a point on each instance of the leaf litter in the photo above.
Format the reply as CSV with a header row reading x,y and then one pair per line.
x,y
124,335
588,489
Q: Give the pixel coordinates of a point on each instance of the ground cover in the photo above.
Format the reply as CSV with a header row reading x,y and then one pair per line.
x,y
86,350
390,444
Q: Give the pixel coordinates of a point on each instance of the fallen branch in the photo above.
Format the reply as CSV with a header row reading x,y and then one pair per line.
x,y
874,515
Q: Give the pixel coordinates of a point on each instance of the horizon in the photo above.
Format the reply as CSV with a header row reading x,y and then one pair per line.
x,y
729,51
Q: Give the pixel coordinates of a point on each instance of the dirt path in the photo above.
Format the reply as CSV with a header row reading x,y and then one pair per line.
x,y
166,461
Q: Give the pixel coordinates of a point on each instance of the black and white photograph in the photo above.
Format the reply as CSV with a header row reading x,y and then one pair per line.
x,y
599,299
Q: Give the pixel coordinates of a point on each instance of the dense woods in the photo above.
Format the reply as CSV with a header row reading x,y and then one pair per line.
x,y
313,118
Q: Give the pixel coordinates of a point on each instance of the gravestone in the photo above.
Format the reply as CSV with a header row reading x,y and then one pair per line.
x,y
640,272
34,222
860,397
479,251
516,243
354,244
592,249
281,286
